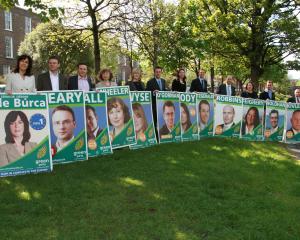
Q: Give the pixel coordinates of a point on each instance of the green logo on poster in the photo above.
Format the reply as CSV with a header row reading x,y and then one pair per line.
x,y
104,139
79,144
150,134
42,152
195,128
177,131
129,131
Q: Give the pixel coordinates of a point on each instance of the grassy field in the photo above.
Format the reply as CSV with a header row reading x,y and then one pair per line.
x,y
211,189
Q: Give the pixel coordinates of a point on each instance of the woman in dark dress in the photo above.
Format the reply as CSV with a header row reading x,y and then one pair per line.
x,y
136,84
179,84
249,93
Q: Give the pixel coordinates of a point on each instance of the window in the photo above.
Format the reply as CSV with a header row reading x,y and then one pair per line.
x,y
8,20
27,24
6,69
8,47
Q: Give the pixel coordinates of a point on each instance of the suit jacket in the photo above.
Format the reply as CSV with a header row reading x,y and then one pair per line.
x,y
265,95
44,82
223,91
152,85
9,153
222,126
73,83
92,136
164,131
196,86
136,86
291,100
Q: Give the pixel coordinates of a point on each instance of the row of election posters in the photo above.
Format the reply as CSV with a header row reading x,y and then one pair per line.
x,y
39,130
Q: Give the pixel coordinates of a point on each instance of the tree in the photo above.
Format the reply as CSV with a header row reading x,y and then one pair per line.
x,y
54,39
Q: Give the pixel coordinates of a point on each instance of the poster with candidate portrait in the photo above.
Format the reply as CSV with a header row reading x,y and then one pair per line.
x,y
188,117
97,131
67,126
205,110
119,113
228,116
24,139
143,119
253,119
168,117
292,123
274,120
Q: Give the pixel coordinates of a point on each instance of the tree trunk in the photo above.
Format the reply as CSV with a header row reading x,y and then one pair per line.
x,y
256,73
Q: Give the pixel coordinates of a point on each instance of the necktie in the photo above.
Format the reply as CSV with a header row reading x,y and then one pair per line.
x,y
270,94
159,84
228,90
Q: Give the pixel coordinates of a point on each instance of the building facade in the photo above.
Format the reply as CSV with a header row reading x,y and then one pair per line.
x,y
14,25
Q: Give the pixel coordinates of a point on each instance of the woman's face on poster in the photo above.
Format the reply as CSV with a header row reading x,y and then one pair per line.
x,y
116,116
251,117
17,127
138,122
183,116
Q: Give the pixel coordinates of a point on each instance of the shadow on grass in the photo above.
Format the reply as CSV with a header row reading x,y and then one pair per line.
x,y
211,189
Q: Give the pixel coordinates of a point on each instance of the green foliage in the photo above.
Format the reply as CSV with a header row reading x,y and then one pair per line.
x,y
53,39
212,189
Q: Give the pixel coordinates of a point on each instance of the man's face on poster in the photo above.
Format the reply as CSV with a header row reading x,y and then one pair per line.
x,y
63,125
91,121
228,114
295,121
274,120
204,113
169,116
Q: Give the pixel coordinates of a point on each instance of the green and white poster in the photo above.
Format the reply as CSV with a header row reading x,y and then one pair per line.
x,y
253,118
188,117
274,120
119,112
292,123
168,117
67,126
228,116
97,131
205,109
143,119
24,139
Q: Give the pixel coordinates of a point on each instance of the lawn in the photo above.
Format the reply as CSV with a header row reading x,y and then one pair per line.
x,y
210,189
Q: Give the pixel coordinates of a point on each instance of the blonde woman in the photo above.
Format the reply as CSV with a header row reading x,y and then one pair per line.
x,y
136,84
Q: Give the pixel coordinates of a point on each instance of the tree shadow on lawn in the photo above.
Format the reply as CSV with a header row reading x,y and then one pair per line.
x,y
209,189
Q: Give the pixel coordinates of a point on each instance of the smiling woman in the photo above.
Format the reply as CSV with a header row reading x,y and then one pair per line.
x,y
21,79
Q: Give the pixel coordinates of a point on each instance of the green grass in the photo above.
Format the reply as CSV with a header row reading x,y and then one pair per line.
x,y
211,189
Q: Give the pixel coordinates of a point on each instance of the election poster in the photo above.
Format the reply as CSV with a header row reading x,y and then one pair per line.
x,y
292,123
24,139
168,117
67,126
97,130
119,112
205,108
143,119
274,120
188,117
253,118
228,116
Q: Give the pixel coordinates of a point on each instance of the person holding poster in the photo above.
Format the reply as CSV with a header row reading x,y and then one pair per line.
x,y
296,98
136,84
228,116
249,91
204,111
140,121
227,88
64,124
199,84
268,93
17,138
118,116
93,130
179,84
185,117
251,121
21,79
169,118
105,79
295,121
81,81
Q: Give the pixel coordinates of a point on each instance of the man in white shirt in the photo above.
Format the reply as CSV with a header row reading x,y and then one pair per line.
x,y
296,98
204,112
227,88
295,121
81,81
52,80
64,124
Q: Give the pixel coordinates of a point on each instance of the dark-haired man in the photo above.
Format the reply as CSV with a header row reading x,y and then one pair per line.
x,y
81,81
169,118
52,80
92,127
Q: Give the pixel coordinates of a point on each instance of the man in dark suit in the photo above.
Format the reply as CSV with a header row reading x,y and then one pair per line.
x,y
199,84
296,98
227,88
154,85
268,93
92,127
81,81
52,80
169,118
